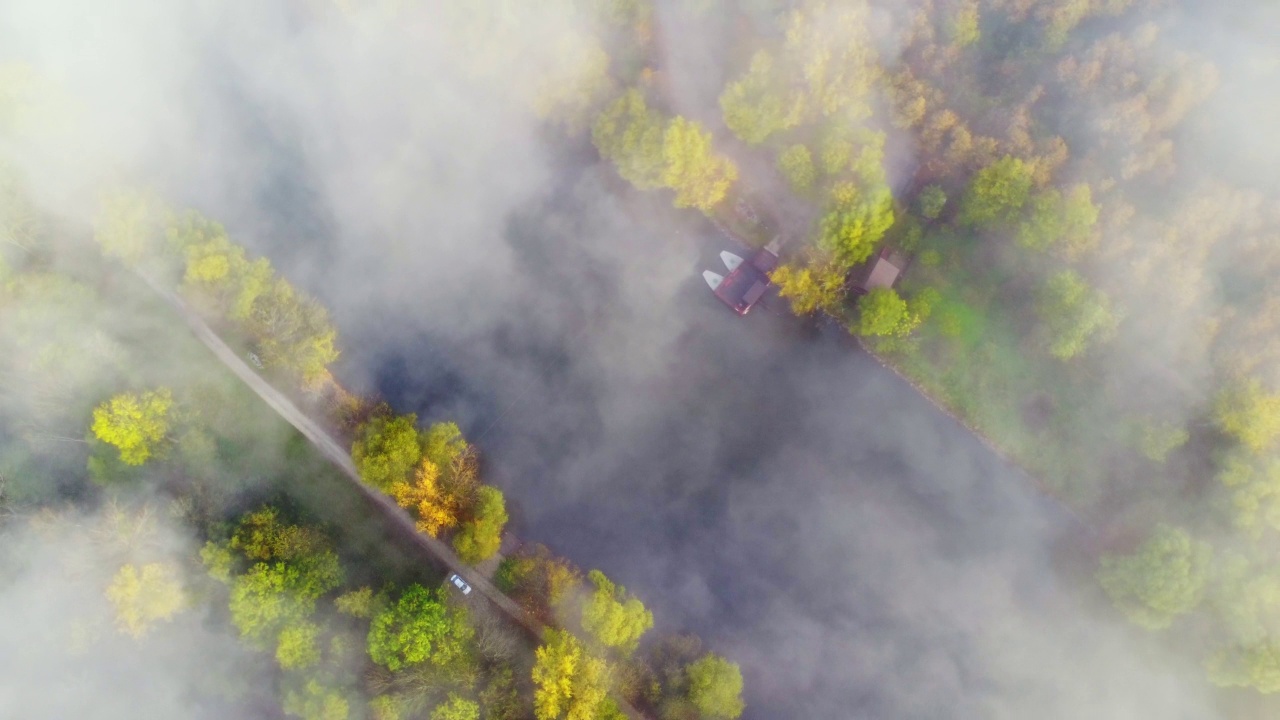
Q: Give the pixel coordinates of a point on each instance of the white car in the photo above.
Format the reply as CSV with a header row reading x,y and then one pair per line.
x,y
460,584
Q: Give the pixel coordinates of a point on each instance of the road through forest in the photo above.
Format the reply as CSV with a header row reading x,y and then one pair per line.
x,y
332,451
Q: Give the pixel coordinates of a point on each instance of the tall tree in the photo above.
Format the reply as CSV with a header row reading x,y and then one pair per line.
x,y
1074,314
569,683
386,449
630,134
1164,578
134,423
481,536
420,628
715,687
1249,413
144,596
997,193
613,617
759,103
691,167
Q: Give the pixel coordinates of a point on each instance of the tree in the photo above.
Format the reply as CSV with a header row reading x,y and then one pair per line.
x,y
136,424
263,535
315,701
298,646
1249,413
293,331
700,177
1073,314
630,134
386,448
456,708
715,687
420,628
576,82
963,25
932,200
359,603
1158,439
143,596
262,603
796,165
613,617
1162,579
128,224
810,289
435,509
1053,219
754,107
997,192
882,312
568,682
481,536
1255,491
849,232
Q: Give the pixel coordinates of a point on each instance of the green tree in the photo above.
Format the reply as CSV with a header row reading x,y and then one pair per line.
x,y
129,223
481,536
386,449
456,708
756,105
1056,220
1074,314
997,193
298,646
630,134
932,200
849,232
691,167
143,596
796,165
293,332
715,687
882,312
316,701
1256,665
613,617
359,603
272,596
420,628
135,424
1249,413
1164,578
1254,488
1157,439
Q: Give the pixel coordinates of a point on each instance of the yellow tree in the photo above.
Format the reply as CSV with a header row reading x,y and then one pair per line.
x,y
143,596
569,684
135,424
1249,413
812,288
700,177
436,509
128,223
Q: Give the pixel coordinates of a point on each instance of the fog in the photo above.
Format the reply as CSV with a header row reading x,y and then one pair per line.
x,y
760,481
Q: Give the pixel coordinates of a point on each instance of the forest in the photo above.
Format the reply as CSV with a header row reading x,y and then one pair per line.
x,y
1087,291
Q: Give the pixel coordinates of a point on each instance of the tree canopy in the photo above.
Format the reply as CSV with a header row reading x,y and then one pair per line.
x,y
420,628
715,687
144,596
700,177
481,536
386,449
998,192
613,617
134,423
1164,578
569,683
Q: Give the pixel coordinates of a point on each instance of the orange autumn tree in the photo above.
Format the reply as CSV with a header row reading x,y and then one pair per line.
x,y
443,485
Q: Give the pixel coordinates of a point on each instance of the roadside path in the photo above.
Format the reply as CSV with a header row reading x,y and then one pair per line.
x,y
336,454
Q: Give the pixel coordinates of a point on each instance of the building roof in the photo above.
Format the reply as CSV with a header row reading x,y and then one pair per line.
x,y
882,271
